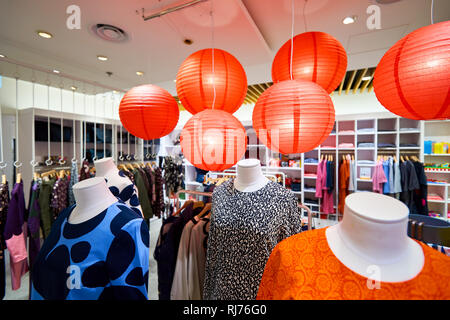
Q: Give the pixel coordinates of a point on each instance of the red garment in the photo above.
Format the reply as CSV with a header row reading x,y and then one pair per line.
x,y
303,267
344,175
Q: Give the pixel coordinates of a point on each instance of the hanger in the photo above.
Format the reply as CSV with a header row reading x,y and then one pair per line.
x,y
353,158
407,158
395,158
205,210
61,174
36,176
185,204
18,177
130,166
3,178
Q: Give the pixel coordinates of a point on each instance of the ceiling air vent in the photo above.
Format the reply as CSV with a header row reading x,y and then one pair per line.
x,y
109,33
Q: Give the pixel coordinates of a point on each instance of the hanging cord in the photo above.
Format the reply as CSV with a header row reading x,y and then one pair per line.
x,y
292,37
121,150
212,42
33,162
3,164
304,17
128,141
432,10
95,124
49,161
74,158
17,164
84,125
61,160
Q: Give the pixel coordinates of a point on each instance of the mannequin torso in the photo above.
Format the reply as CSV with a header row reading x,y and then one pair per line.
x,y
249,176
373,232
92,196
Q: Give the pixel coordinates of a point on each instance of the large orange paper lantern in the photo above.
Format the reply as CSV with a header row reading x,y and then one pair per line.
x,y
213,140
317,57
412,79
148,112
293,116
195,82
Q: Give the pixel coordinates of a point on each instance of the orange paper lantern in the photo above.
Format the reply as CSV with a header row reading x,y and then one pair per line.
x,y
293,116
317,57
213,140
148,112
195,82
412,79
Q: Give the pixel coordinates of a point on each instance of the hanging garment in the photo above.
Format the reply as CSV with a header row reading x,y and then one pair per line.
x,y
33,223
45,193
397,178
352,176
173,174
166,250
327,188
315,273
420,195
158,208
122,188
180,284
197,259
15,235
391,175
321,178
142,186
4,203
344,176
378,177
105,257
129,174
84,171
409,183
245,227
59,200
386,189
73,181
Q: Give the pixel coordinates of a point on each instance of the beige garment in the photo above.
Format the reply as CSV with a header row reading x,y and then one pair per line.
x,y
197,259
180,288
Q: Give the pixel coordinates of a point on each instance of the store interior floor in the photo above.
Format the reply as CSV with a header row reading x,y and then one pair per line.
x,y
22,292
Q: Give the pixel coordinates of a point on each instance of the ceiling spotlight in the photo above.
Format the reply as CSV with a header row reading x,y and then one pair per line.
x,y
102,58
349,20
114,91
366,78
2,56
55,71
139,73
188,41
175,80
45,34
73,88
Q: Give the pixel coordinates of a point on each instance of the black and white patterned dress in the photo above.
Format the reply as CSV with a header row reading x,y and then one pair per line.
x,y
245,227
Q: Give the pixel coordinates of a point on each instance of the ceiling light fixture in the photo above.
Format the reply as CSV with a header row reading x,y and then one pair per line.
x,y
73,88
102,58
366,78
349,20
55,71
139,73
45,34
2,56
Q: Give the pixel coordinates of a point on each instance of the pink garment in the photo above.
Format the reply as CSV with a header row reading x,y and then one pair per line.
x,y
378,178
321,188
17,257
321,178
346,145
328,202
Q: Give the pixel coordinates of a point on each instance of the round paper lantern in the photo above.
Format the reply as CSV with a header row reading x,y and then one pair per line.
x,y
195,82
293,116
148,112
412,79
317,57
213,140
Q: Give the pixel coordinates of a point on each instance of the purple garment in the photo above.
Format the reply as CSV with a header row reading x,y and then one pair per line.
x,y
4,202
59,198
33,222
15,235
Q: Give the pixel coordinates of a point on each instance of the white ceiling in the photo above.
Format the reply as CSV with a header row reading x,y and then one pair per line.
x,y
251,30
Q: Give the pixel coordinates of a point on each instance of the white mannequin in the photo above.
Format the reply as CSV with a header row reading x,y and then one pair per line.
x,y
105,167
372,232
249,176
92,196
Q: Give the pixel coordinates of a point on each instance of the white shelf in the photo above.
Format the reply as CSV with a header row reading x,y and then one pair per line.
x,y
387,132
283,168
409,148
364,180
193,183
436,201
296,192
416,131
365,148
306,177
437,155
436,171
310,164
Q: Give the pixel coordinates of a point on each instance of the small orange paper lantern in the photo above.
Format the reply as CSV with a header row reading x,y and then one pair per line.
x,y
195,82
412,79
293,116
213,140
148,112
317,57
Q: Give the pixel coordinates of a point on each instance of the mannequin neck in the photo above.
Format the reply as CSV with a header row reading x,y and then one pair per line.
x,y
104,167
383,243
249,176
92,196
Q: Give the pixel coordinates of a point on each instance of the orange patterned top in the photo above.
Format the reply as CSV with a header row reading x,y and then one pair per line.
x,y
303,267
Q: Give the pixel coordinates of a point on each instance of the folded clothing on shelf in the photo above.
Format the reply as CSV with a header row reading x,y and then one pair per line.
x,y
346,145
310,189
362,162
386,145
309,174
366,130
409,129
296,185
409,145
311,160
328,147
433,196
366,145
347,132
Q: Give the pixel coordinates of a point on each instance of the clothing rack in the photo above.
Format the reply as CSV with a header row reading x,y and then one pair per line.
x,y
197,193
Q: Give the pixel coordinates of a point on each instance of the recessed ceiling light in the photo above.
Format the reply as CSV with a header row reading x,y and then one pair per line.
x,y
366,78
55,71
73,88
114,91
349,20
139,73
2,56
175,80
102,58
45,34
